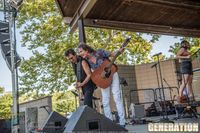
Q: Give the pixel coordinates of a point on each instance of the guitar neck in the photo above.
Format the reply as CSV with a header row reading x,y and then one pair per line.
x,y
118,53
113,59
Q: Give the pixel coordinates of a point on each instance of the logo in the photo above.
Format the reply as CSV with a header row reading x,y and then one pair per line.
x,y
173,127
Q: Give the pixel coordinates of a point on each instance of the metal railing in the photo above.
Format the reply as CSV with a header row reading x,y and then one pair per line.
x,y
147,89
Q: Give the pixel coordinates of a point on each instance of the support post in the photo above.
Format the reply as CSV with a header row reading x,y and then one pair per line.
x,y
81,31
15,109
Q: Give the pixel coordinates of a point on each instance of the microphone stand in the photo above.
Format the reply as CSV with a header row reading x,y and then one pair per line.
x,y
170,89
165,115
75,95
155,65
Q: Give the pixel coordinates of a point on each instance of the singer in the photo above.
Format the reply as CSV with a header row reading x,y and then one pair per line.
x,y
184,57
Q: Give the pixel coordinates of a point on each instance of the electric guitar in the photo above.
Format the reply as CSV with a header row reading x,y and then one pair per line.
x,y
102,76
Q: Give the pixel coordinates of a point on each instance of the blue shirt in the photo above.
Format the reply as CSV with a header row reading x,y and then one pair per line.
x,y
100,55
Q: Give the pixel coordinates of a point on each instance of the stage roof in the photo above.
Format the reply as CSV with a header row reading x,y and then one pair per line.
x,y
170,17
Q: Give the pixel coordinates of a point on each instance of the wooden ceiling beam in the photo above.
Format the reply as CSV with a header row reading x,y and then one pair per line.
x,y
186,3
170,27
145,28
138,27
81,12
183,4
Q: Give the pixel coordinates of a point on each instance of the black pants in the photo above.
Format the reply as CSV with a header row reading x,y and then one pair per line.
x,y
88,95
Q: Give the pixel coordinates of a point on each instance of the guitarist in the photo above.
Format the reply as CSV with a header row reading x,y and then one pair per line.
x,y
95,59
82,71
184,57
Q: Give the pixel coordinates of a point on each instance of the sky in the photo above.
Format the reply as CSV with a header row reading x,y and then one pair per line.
x,y
5,75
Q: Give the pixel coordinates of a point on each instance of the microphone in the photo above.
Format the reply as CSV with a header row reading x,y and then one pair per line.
x,y
44,106
154,65
75,93
157,54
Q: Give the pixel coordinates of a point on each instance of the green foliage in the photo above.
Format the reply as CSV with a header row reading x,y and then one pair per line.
x,y
30,96
44,31
5,106
1,90
64,102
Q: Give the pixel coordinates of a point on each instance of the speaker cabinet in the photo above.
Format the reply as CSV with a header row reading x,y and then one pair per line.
x,y
88,119
55,123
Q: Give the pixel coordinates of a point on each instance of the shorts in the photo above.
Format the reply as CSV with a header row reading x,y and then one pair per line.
x,y
186,67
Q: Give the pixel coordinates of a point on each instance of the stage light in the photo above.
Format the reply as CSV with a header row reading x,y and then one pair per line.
x,y
5,45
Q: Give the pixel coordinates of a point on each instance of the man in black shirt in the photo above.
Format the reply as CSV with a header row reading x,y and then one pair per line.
x,y
83,73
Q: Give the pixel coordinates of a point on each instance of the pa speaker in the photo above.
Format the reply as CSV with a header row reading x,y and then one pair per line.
x,y
55,123
86,119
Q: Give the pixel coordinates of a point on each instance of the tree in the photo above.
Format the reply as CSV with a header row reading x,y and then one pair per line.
x,y
1,90
5,104
45,35
64,102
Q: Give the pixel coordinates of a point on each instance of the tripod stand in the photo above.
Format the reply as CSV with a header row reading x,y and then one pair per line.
x,y
164,109
186,74
189,105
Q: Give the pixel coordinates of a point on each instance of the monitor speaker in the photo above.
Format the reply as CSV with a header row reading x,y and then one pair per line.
x,y
86,119
55,123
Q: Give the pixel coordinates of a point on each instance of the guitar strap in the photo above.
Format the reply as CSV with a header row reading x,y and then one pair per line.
x,y
79,74
100,56
78,70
